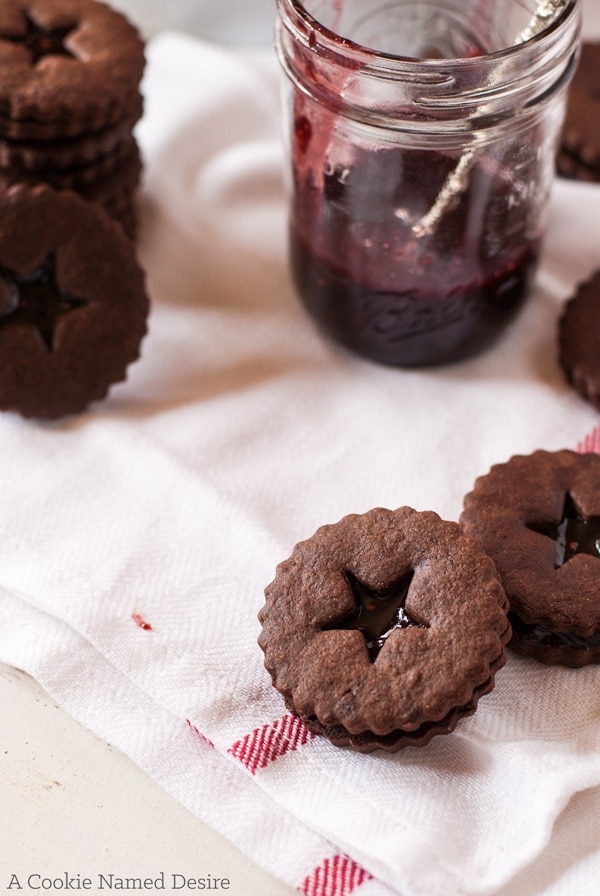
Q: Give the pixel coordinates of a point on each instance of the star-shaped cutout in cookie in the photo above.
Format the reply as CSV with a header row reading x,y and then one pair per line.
x,y
378,613
35,298
40,42
573,534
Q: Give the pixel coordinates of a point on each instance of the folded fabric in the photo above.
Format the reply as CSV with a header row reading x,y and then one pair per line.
x,y
138,537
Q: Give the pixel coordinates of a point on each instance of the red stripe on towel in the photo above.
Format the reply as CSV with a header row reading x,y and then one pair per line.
x,y
591,442
199,734
264,745
335,876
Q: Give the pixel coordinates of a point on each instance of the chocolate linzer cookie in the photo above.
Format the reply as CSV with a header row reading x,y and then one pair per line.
x,y
538,517
579,340
73,305
61,154
579,154
114,189
112,186
115,174
67,67
384,629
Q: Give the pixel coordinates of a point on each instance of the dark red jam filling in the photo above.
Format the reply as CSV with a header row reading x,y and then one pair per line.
x,y
378,613
40,42
574,534
35,299
383,292
543,636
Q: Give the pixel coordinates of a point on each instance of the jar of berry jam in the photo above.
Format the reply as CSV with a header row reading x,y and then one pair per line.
x,y
422,137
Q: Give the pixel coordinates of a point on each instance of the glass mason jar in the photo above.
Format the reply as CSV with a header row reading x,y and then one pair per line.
x,y
422,137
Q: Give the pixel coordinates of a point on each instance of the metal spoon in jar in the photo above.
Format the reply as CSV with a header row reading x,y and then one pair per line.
x,y
458,179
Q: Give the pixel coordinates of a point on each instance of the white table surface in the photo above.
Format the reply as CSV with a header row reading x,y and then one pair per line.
x,y
71,803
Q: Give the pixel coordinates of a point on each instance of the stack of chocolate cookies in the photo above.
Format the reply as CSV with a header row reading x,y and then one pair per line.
x,y
70,73
73,303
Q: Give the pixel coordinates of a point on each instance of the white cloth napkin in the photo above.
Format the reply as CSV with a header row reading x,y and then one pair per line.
x,y
137,538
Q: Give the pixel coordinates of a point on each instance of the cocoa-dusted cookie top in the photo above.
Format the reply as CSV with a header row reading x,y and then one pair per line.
x,y
579,340
579,157
538,518
383,629
73,63
73,304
